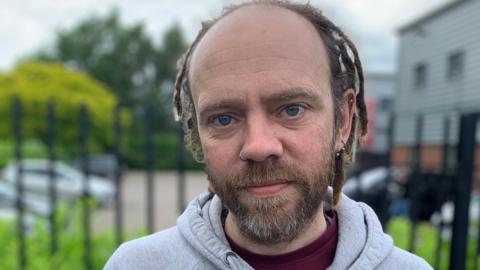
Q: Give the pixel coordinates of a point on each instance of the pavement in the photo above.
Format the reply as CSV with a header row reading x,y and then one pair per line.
x,y
135,202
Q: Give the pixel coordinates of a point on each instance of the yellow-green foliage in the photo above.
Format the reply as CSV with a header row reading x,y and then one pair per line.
x,y
36,83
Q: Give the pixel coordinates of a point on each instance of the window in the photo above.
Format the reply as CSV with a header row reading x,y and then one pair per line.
x,y
455,66
420,75
385,104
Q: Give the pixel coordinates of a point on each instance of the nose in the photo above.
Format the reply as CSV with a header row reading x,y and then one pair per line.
x,y
261,142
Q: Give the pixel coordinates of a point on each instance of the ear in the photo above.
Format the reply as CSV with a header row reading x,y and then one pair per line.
x,y
347,111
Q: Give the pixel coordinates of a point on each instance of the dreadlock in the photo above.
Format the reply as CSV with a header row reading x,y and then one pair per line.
x,y
346,72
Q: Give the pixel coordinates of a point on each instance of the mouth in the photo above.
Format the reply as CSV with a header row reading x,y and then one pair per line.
x,y
270,189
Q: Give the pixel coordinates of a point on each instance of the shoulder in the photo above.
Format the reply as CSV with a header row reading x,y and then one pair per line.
x,y
162,250
401,259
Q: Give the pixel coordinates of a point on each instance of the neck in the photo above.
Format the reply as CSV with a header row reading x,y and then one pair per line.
x,y
310,233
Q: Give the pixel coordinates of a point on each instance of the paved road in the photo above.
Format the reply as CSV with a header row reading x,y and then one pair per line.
x,y
134,200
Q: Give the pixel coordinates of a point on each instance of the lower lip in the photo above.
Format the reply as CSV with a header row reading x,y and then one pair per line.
x,y
267,190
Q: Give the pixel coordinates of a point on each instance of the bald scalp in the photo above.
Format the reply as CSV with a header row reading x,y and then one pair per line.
x,y
257,31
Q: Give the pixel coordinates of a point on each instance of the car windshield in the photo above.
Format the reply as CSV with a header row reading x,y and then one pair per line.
x,y
45,173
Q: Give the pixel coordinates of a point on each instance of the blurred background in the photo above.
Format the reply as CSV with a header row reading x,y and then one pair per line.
x,y
90,155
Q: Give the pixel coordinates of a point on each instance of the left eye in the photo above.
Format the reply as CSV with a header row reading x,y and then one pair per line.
x,y
223,120
293,110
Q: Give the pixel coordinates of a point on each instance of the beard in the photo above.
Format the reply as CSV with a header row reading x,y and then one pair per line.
x,y
273,219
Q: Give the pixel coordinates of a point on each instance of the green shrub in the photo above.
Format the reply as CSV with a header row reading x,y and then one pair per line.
x,y
166,147
30,149
36,83
71,248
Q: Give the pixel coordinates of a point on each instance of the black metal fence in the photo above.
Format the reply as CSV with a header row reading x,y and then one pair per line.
x,y
84,134
427,191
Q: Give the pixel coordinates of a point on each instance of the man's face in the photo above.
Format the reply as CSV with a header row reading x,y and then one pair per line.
x,y
260,85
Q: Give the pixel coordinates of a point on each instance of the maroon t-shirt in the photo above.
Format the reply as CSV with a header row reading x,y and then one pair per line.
x,y
317,255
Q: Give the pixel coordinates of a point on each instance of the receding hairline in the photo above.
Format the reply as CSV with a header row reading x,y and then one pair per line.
x,y
267,6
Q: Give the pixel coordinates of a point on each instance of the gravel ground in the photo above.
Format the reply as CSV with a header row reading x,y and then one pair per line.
x,y
134,200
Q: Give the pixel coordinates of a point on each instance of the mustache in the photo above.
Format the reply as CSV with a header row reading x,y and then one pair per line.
x,y
265,173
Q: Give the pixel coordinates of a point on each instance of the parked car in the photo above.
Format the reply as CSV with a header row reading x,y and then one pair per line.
x,y
373,187
32,203
368,182
103,165
69,181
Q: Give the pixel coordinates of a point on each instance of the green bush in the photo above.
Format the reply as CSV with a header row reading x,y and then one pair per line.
x,y
166,150
71,248
36,83
30,149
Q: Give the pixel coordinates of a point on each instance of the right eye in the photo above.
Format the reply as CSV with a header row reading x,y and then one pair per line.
x,y
222,120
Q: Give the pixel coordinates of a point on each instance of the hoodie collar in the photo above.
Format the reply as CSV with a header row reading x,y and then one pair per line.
x,y
362,244
202,227
361,241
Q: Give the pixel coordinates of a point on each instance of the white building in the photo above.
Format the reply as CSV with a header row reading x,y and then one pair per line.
x,y
438,76
379,94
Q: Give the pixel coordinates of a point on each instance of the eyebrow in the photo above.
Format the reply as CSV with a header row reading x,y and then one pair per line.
x,y
291,94
220,105
281,96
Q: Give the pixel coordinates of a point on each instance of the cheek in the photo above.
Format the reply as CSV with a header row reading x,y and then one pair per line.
x,y
312,145
220,156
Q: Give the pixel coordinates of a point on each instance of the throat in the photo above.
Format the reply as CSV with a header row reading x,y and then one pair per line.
x,y
310,232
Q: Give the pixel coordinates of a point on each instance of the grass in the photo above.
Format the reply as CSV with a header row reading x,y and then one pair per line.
x,y
71,246
426,242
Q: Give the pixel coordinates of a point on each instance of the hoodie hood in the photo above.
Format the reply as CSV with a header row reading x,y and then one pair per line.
x,y
362,244
201,226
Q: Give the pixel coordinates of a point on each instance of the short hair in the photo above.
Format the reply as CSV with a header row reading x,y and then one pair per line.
x,y
345,73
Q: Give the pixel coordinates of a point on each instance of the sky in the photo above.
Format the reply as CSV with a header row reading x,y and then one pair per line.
x,y
28,25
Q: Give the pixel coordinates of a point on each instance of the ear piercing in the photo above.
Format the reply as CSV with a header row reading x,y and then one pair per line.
x,y
242,158
338,153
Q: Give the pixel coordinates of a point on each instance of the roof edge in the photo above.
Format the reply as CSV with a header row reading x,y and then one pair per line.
x,y
430,15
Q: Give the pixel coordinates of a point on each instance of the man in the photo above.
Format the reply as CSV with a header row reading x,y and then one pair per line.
x,y
271,99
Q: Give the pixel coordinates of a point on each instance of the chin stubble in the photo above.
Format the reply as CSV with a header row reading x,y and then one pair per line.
x,y
276,219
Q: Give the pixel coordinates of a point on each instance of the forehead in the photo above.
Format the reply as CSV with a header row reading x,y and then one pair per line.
x,y
259,46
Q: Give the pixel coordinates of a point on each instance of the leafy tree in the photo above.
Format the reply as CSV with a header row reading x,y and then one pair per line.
x,y
116,55
125,59
36,83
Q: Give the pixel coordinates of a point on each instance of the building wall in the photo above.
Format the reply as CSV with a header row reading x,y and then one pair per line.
x,y
379,89
432,42
431,160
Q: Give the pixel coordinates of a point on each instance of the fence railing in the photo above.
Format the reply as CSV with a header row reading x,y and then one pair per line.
x,y
427,191
84,135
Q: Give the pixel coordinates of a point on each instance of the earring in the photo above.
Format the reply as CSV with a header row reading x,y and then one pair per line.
x,y
340,152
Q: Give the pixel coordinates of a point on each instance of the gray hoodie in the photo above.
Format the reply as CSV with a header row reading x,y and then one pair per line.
x,y
198,242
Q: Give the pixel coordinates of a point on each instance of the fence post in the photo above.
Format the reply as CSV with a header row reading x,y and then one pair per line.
x,y
117,126
150,160
466,157
445,171
181,171
416,160
17,131
385,214
51,122
84,134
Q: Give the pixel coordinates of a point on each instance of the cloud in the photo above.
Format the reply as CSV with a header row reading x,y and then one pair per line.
x,y
26,25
